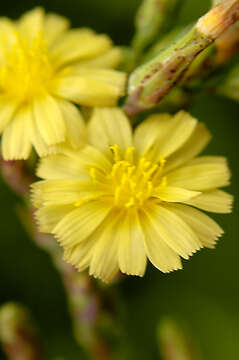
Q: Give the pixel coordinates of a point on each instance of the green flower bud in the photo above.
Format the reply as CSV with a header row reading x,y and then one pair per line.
x,y
153,16
149,83
17,334
174,342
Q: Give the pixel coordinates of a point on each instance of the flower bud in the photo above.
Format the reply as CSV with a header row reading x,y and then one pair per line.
x,y
17,334
153,16
152,81
174,342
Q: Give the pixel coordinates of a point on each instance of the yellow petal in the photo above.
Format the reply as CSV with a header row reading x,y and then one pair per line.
x,y
173,230
79,44
60,166
80,255
109,127
110,59
8,36
174,194
159,253
7,110
37,140
162,135
80,223
49,120
48,217
54,27
89,157
181,127
200,176
62,191
131,250
81,161
7,27
112,77
195,144
208,160
149,131
104,262
207,230
16,141
217,201
76,134
31,23
89,91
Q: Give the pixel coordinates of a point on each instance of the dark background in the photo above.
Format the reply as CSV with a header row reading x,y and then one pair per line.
x,y
205,295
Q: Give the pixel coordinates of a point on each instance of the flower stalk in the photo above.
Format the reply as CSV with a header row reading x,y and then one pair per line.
x,y
83,299
149,83
17,333
16,175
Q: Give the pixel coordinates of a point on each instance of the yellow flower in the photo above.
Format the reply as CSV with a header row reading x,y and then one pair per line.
x,y
128,197
44,67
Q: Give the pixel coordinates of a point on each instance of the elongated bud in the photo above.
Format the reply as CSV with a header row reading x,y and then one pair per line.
x,y
128,59
215,2
230,85
174,342
216,21
227,45
163,43
175,100
199,68
152,81
152,17
17,334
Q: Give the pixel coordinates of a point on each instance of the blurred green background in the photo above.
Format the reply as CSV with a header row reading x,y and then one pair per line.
x,y
205,295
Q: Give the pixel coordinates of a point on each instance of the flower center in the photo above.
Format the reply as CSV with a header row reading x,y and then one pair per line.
x,y
130,183
27,71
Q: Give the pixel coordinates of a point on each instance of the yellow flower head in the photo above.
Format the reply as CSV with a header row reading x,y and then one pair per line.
x,y
44,67
128,197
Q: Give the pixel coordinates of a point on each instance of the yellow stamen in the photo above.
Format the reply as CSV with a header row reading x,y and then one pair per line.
x,y
130,203
79,203
132,184
117,195
129,184
129,154
115,150
93,173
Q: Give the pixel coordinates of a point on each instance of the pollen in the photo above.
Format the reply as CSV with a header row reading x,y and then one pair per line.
x,y
131,182
27,71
